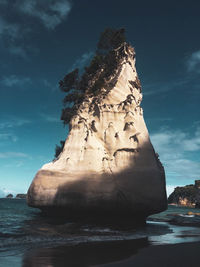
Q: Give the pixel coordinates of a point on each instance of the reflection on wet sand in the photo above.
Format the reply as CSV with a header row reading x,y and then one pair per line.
x,y
87,254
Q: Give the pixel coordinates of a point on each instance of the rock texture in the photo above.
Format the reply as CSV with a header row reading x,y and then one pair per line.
x,y
108,164
188,195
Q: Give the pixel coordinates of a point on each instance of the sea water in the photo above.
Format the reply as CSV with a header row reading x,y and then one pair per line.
x,y
25,234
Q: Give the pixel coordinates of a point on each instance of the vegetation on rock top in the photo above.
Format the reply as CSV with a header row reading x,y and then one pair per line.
x,y
96,76
99,74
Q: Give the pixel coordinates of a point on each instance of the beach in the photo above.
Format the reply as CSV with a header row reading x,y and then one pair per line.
x,y
118,253
28,239
176,255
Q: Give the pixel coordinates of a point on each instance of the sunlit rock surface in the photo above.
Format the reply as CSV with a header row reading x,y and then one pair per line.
x,y
108,165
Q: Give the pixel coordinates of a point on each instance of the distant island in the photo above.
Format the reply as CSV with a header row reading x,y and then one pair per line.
x,y
188,195
21,196
9,196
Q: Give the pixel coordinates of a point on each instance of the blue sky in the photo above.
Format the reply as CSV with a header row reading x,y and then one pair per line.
x,y
40,41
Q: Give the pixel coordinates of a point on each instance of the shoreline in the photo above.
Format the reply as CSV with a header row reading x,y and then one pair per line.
x,y
137,253
32,240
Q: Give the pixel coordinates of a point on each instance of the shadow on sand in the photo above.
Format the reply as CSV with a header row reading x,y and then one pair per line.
x,y
84,255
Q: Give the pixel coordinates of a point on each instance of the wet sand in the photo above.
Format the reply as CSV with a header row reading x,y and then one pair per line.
x,y
28,239
177,255
137,253
85,254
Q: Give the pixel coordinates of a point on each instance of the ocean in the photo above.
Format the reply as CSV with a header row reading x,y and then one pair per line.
x,y
28,239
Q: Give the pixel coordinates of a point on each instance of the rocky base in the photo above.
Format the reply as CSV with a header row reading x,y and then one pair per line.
x,y
97,216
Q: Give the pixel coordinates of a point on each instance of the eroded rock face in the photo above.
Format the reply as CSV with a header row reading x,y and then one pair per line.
x,y
108,164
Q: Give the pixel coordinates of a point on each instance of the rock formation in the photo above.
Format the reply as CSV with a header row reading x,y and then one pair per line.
x,y
188,195
108,165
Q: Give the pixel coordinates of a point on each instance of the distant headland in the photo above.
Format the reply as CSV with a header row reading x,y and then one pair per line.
x,y
21,196
188,195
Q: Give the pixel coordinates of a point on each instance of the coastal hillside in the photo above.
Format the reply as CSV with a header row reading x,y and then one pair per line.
x,y
188,195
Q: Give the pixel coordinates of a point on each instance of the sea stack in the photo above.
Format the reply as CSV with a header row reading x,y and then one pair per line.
x,y
108,166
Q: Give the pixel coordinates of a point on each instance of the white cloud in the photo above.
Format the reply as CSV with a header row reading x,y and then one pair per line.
x,y
5,155
12,122
193,63
14,80
10,30
177,139
4,192
52,87
161,119
160,88
8,136
170,189
51,13
192,144
13,32
177,153
18,51
50,118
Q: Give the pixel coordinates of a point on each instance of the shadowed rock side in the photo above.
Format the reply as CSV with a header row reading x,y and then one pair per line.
x,y
108,164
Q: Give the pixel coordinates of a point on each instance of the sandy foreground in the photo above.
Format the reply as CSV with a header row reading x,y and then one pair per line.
x,y
177,255
118,253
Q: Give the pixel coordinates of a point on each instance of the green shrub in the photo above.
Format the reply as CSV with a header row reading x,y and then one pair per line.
x,y
189,191
96,75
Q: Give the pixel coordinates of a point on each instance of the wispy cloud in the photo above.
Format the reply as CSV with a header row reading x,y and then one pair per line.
x,y
160,88
11,34
50,13
9,30
14,80
13,31
157,119
12,122
18,51
52,87
5,155
181,140
81,62
192,66
8,137
177,152
50,118
4,192
193,63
